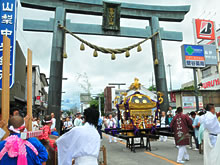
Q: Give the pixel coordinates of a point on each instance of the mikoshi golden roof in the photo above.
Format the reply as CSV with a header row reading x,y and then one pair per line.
x,y
140,101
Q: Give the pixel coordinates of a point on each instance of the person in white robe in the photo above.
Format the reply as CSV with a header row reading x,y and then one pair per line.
x,y
53,121
81,143
35,125
111,123
78,120
68,124
163,124
211,134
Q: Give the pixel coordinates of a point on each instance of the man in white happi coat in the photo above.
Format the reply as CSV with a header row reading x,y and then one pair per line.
x,y
53,121
163,124
111,123
211,136
81,143
78,120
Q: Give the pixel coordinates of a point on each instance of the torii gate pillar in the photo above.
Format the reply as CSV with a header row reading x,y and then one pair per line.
x,y
159,69
56,66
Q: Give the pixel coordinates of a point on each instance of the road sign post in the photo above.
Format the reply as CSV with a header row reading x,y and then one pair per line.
x,y
5,82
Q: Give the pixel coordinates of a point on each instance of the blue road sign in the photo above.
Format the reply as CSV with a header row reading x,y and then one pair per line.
x,y
8,22
193,56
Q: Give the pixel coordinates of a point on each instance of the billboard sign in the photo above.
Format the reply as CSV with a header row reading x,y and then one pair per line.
x,y
210,55
189,102
205,29
8,28
193,56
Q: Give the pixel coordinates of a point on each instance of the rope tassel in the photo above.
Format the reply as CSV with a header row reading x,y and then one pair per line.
x,y
113,56
127,54
95,54
82,47
64,55
156,62
139,49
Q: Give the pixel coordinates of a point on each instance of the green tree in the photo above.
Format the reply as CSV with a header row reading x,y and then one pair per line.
x,y
152,88
94,103
189,88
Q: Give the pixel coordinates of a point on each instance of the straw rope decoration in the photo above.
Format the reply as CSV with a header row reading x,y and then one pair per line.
x,y
113,52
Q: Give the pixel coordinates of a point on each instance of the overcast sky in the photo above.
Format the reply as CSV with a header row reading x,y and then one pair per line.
x,y
103,70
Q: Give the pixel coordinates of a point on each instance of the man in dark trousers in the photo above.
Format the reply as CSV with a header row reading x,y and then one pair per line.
x,y
180,125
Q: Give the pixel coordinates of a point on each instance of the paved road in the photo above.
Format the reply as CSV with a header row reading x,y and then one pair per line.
x,y
163,153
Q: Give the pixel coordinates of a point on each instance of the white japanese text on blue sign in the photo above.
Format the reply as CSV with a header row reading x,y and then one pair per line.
x,y
8,28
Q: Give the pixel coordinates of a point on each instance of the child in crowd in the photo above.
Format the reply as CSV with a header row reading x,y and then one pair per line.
x,y
47,140
68,124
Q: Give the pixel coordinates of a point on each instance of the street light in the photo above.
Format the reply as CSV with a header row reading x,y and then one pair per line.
x,y
169,66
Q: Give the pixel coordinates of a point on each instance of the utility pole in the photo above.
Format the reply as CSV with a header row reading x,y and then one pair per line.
x,y
196,89
169,66
119,84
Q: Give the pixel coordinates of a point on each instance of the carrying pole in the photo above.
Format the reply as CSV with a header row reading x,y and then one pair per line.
x,y
5,83
29,88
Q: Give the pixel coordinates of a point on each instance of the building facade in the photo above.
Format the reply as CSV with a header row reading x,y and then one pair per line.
x,y
208,81
39,93
17,92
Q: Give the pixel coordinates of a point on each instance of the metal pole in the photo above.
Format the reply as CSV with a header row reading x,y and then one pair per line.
x,y
100,105
194,70
56,66
170,76
217,50
196,89
159,69
196,43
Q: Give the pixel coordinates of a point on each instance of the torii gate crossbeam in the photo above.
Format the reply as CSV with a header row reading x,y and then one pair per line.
x,y
95,7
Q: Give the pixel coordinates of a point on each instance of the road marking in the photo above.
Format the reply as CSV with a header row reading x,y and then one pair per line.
x,y
163,158
149,153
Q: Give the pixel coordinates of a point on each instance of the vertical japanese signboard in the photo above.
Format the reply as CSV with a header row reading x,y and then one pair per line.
x,y
111,16
210,55
8,11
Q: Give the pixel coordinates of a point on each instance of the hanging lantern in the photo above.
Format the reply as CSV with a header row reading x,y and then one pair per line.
x,y
95,54
113,56
139,49
156,62
82,47
127,54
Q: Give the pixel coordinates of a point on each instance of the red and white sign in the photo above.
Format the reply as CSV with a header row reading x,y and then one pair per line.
x,y
38,98
205,29
211,83
173,97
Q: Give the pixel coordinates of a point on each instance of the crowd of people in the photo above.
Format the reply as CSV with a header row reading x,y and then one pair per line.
x,y
41,150
75,132
198,122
